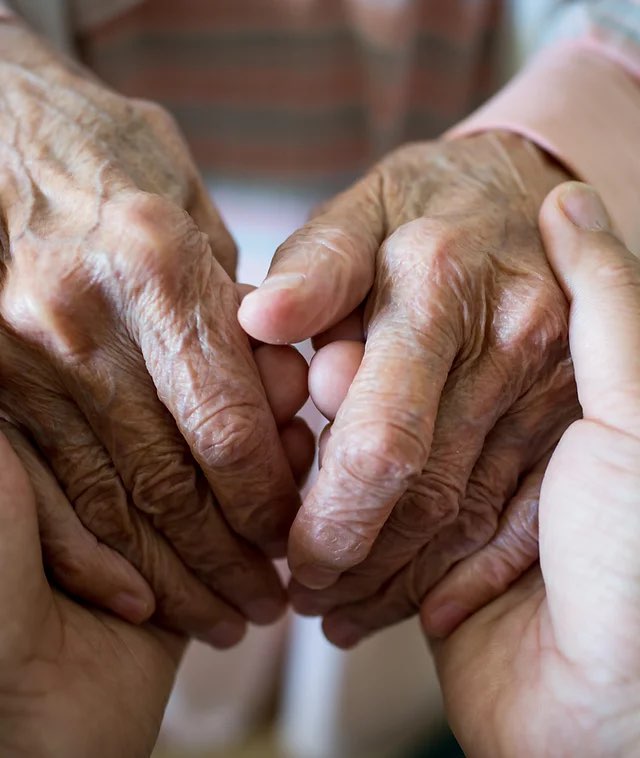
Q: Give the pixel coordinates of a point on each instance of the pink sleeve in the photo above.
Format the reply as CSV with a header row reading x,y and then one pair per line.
x,y
581,103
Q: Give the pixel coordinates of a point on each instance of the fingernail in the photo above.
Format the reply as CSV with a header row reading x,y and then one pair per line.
x,y
441,621
582,205
225,634
282,282
344,634
134,608
314,577
264,610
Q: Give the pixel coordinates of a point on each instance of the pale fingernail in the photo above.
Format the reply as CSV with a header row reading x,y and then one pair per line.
x,y
264,610
314,577
443,619
344,634
134,608
282,282
225,634
582,205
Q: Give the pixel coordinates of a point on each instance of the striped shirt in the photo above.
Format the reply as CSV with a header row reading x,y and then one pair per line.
x,y
301,87
321,88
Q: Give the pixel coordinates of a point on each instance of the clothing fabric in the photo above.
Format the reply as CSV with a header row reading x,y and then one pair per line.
x,y
321,88
298,88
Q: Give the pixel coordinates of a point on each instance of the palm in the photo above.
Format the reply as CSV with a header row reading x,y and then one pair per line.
x,y
500,671
93,685
86,674
540,670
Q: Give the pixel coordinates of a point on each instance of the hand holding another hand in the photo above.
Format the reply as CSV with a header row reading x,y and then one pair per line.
x,y
434,261
552,666
122,358
74,681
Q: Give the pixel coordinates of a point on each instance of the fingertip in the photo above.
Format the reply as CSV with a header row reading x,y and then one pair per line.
x,y
575,228
315,577
343,633
331,373
276,312
225,634
299,445
283,371
440,617
582,205
136,608
265,611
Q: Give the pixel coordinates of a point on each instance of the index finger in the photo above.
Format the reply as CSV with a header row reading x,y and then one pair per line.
x,y
185,321
381,437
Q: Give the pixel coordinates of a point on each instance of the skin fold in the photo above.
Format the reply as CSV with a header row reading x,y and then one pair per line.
x,y
434,262
122,359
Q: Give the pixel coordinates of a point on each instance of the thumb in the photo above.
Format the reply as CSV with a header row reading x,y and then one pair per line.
x,y
601,279
322,272
590,499
22,581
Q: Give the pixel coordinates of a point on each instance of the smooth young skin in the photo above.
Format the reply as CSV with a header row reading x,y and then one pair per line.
x,y
552,667
74,682
465,382
122,357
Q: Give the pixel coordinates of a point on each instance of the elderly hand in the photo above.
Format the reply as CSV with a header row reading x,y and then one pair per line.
x,y
553,666
122,357
465,382
73,682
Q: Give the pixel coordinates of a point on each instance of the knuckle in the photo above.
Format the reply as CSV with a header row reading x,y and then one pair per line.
x,y
435,244
475,528
101,505
386,455
533,317
156,115
228,436
159,236
490,486
66,564
164,483
43,309
427,506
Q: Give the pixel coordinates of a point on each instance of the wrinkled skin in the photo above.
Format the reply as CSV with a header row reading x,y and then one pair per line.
x,y
552,667
74,682
122,357
435,261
